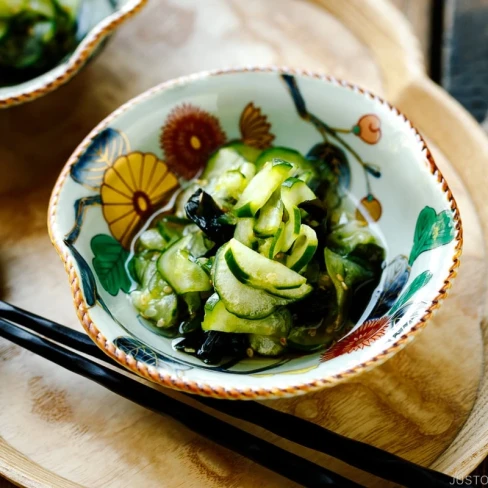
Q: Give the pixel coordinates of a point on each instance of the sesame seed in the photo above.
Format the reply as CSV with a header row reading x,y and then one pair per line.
x,y
343,284
339,277
249,352
189,350
160,323
167,289
283,341
312,332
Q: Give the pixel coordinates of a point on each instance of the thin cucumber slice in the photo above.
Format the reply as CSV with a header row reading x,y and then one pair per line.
x,y
249,267
248,170
160,308
222,160
239,299
171,228
286,154
45,8
270,216
277,242
178,269
303,249
266,345
218,318
152,240
249,153
9,8
244,232
293,192
261,187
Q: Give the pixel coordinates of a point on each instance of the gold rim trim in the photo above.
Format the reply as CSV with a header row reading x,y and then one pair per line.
x,y
166,379
75,64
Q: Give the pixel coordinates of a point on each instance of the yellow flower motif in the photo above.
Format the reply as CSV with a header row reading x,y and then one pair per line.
x,y
132,190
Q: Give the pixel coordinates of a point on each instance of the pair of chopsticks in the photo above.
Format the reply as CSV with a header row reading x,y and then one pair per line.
x,y
51,340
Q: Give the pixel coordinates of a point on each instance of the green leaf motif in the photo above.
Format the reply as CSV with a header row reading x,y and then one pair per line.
x,y
109,263
432,230
419,282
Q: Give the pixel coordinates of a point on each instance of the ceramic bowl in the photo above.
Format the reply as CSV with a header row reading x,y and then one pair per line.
x,y
391,174
97,20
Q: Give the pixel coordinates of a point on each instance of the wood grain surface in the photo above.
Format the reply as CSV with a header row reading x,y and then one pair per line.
x,y
59,430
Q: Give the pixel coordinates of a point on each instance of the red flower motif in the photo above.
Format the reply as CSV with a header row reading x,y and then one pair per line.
x,y
369,332
368,129
255,128
189,136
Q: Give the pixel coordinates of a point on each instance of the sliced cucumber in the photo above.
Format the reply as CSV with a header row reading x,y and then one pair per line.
x,y
277,242
301,164
221,161
218,318
180,271
293,192
245,232
293,294
303,249
249,267
171,228
151,239
249,153
160,308
261,187
239,299
9,8
45,8
270,216
248,170
266,345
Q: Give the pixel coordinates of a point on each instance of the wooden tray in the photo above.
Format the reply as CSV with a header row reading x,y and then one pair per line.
x,y
428,404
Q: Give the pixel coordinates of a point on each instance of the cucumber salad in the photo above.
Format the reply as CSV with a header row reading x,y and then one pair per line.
x,y
34,36
262,255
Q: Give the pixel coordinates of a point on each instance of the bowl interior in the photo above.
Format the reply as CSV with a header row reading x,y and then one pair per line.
x,y
92,14
391,176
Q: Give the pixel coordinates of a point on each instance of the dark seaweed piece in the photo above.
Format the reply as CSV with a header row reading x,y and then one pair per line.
x,y
316,307
202,210
315,208
192,342
191,325
217,345
332,163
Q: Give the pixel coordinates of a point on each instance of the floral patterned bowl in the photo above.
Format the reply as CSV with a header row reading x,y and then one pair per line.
x,y
121,171
97,20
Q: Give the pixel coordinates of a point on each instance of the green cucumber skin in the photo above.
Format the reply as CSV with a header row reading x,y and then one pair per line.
x,y
171,262
239,299
261,187
284,153
218,318
297,261
238,257
305,259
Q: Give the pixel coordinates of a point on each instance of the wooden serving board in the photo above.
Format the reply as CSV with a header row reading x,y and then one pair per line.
x,y
428,404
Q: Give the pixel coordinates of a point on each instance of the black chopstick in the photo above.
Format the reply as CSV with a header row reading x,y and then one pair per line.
x,y
363,456
279,460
